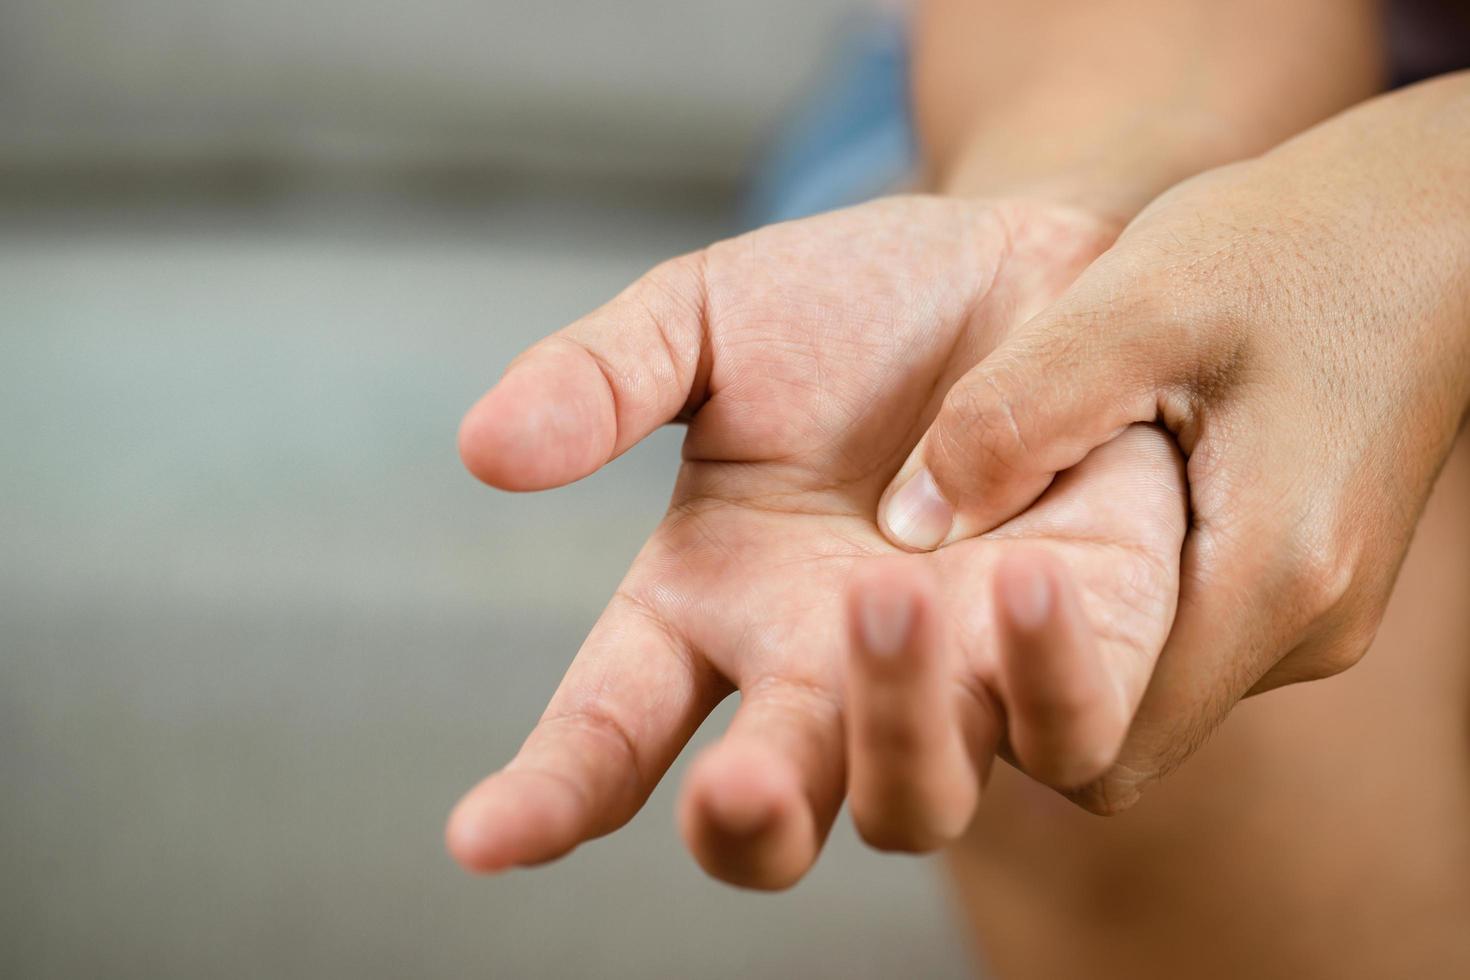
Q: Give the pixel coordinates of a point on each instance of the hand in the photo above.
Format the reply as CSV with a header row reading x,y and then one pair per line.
x,y
807,359
1302,323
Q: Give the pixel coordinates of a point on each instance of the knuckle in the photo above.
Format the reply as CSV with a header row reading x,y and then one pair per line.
x,y
1338,591
1323,570
1347,646
1362,630
1338,657
680,279
982,427
602,725
1079,765
673,299
1113,793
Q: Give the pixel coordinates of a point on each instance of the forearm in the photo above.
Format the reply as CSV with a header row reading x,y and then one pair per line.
x,y
1105,103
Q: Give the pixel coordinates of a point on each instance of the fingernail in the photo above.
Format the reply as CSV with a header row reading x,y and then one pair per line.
x,y
885,619
918,516
1027,594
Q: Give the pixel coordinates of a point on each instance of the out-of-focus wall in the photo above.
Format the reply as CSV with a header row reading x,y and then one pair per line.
x,y
653,87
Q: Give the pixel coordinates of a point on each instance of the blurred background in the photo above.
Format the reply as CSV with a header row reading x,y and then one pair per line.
x,y
258,629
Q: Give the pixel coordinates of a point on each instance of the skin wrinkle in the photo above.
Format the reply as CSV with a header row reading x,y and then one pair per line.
x,y
773,687
761,455
660,324
1111,542
794,690
769,502
841,488
1243,332
976,296
1335,336
706,577
1007,411
699,392
609,376
590,718
686,653
971,433
675,528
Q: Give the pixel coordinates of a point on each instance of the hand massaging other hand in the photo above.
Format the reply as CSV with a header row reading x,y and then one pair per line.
x,y
1301,321
807,359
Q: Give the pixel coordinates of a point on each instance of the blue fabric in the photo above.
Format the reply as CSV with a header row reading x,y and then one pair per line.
x,y
849,137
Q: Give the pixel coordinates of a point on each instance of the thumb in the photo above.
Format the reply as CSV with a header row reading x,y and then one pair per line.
x,y
586,394
1036,406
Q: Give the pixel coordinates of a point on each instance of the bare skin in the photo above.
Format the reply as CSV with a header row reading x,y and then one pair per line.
x,y
1301,321
1320,833
807,358
1298,322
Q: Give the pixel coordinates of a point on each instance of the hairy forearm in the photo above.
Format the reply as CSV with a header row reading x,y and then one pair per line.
x,y
1394,174
1108,102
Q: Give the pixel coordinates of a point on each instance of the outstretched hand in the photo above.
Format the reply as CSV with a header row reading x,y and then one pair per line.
x,y
808,358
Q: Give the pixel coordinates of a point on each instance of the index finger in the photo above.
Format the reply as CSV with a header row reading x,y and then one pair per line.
x,y
630,701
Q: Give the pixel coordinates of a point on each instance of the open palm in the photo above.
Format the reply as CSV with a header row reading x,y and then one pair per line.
x,y
808,358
